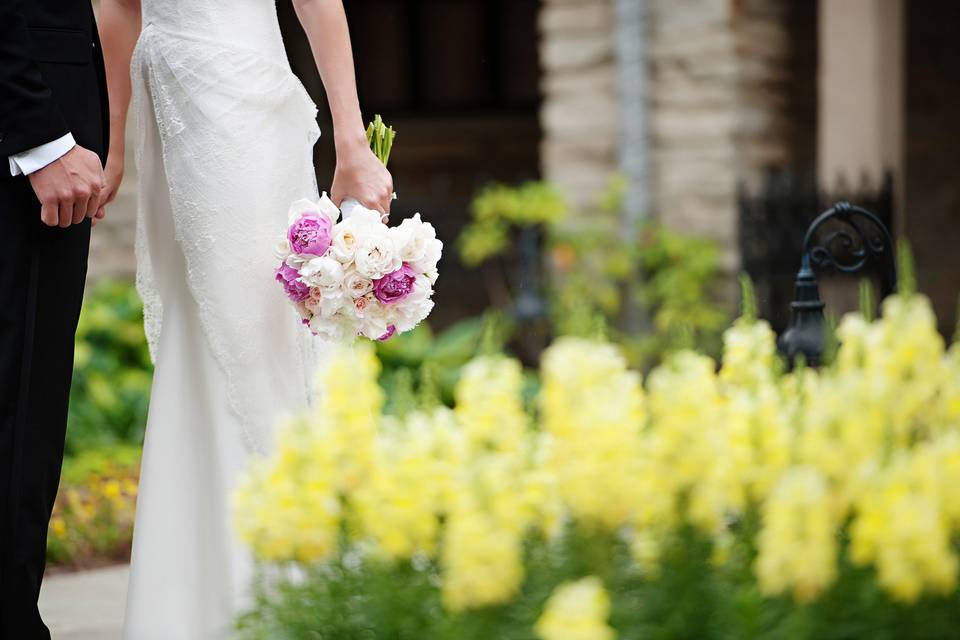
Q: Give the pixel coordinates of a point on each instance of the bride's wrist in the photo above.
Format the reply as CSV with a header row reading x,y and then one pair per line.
x,y
349,143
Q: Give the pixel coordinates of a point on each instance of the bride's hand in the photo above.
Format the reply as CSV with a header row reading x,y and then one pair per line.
x,y
361,176
113,176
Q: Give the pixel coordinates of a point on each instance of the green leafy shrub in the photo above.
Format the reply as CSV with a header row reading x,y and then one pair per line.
x,y
498,209
652,290
112,370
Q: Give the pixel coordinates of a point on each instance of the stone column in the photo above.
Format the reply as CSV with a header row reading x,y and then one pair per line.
x,y
694,73
581,112
861,90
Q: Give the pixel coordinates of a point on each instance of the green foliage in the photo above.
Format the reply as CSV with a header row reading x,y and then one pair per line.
x,y
690,596
906,271
748,299
652,291
420,368
499,208
112,370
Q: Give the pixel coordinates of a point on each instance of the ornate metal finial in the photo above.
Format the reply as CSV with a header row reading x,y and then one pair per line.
x,y
853,240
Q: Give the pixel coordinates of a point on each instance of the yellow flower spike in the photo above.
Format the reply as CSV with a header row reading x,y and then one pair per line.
x,y
593,411
901,528
797,542
577,611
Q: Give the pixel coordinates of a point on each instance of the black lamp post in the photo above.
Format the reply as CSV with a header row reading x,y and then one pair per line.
x,y
858,240
529,306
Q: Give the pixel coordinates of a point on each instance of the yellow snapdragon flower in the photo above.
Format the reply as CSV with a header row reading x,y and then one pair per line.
x,y
797,547
577,611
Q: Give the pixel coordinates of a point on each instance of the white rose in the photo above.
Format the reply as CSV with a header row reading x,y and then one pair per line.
x,y
356,284
323,272
432,276
343,244
376,255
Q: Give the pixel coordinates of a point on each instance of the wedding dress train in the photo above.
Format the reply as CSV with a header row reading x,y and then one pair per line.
x,y
225,145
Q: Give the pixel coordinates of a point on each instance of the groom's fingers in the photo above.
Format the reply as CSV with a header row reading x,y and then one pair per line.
x,y
65,212
49,214
96,197
80,210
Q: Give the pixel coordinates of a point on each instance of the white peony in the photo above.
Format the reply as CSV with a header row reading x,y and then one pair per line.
x,y
335,327
376,255
356,284
323,272
417,244
326,302
373,317
413,309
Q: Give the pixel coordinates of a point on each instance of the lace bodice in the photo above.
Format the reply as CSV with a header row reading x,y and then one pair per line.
x,y
236,24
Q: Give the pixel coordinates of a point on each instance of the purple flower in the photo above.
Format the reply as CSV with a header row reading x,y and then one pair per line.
x,y
392,329
396,285
310,234
289,278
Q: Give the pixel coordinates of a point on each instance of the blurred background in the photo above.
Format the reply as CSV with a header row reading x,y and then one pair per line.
x,y
592,166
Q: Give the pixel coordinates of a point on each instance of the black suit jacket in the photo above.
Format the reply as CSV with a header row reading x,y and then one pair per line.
x,y
51,76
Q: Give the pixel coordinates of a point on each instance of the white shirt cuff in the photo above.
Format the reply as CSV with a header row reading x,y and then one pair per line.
x,y
37,158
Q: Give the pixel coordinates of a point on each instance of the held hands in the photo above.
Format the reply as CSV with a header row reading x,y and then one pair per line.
x,y
361,176
69,189
113,175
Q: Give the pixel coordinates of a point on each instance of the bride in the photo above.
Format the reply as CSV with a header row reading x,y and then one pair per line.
x,y
224,144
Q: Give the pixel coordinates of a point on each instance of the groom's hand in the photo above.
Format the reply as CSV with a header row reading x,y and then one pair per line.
x,y
69,188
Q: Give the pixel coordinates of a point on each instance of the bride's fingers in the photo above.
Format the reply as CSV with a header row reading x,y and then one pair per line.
x,y
373,205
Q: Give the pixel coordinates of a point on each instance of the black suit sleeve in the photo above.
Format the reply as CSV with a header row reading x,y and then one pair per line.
x,y
29,115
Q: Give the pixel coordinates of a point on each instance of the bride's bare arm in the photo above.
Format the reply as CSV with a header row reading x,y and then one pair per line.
x,y
359,174
119,29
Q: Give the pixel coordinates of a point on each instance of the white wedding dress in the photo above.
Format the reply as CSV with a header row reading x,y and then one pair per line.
x,y
226,133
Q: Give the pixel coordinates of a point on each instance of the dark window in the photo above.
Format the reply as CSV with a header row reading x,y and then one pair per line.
x,y
444,57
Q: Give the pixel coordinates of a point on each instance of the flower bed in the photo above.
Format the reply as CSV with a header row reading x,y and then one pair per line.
x,y
92,521
735,502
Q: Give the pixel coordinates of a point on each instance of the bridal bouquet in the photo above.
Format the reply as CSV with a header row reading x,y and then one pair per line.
x,y
356,276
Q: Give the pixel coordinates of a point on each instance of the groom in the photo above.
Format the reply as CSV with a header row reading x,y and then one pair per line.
x,y
53,130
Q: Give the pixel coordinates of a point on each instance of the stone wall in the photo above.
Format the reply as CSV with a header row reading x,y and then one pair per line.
x,y
581,112
720,104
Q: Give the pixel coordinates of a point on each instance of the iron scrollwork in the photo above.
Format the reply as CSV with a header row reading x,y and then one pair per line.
x,y
853,240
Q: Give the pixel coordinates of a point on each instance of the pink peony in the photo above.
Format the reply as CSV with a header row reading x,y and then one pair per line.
x,y
310,234
290,279
395,286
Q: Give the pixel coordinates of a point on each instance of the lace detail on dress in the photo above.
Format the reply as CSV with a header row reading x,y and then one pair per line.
x,y
236,132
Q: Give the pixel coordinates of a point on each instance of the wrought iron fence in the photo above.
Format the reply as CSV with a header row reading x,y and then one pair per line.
x,y
773,222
